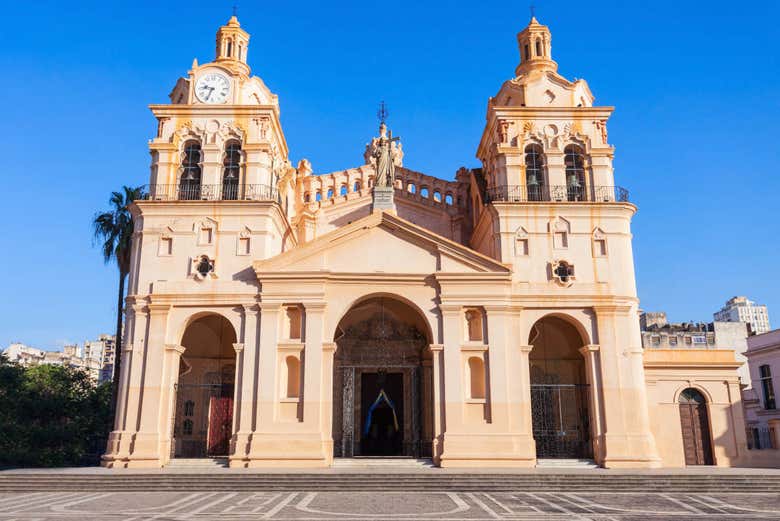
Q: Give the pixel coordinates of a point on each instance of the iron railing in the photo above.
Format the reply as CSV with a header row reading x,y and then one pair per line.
x,y
760,438
198,192
556,193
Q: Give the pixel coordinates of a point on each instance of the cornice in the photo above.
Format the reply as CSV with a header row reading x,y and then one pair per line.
x,y
189,111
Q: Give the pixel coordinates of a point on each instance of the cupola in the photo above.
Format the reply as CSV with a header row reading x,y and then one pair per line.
x,y
232,46
535,48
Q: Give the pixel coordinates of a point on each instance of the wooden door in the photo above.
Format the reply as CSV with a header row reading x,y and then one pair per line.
x,y
220,425
695,425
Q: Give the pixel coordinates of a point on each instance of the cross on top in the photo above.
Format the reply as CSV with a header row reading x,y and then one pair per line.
x,y
235,10
382,113
532,7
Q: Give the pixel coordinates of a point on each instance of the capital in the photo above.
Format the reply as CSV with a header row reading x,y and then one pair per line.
x,y
238,347
175,347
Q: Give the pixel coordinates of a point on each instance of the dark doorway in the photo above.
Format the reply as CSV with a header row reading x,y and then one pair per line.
x,y
695,425
382,401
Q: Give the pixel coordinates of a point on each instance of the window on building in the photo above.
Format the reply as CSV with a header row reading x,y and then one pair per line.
x,y
424,192
538,48
655,340
293,377
356,188
189,408
564,272
166,246
765,372
187,427
672,340
448,199
343,190
231,170
330,193
189,182
474,325
534,172
699,340
476,368
574,159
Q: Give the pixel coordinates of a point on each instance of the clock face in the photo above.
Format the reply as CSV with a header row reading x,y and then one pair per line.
x,y
212,87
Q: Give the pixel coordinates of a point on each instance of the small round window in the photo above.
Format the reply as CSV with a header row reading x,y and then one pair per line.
x,y
204,266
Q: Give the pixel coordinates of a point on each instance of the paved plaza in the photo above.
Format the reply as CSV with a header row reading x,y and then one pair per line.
x,y
303,505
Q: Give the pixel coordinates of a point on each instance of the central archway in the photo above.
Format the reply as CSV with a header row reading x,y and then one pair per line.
x,y
382,381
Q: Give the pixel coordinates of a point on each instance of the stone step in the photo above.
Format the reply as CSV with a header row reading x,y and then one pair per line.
x,y
369,462
176,463
569,463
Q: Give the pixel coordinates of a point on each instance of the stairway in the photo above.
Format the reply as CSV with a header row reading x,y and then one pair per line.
x,y
102,480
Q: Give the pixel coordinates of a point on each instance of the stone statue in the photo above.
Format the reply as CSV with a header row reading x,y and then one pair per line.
x,y
385,155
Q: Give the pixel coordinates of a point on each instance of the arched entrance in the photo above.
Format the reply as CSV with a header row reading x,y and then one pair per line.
x,y
203,421
382,381
695,424
559,391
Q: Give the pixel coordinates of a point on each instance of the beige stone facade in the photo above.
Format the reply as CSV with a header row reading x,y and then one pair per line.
x,y
279,318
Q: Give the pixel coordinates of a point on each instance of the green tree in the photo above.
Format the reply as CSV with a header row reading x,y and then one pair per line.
x,y
51,416
114,231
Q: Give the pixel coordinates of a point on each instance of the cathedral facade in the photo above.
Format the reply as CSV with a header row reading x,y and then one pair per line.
x,y
281,318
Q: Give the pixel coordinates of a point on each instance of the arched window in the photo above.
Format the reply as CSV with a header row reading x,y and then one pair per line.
x,y
306,197
476,378
330,193
448,199
474,325
318,197
230,48
534,172
189,408
231,171
189,182
356,188
187,427
343,190
411,188
424,192
538,47
574,159
437,196
293,377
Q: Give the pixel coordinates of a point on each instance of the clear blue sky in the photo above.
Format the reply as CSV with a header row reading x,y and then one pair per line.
x,y
695,85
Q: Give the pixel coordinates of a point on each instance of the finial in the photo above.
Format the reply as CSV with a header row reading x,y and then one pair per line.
x,y
382,113
532,7
235,10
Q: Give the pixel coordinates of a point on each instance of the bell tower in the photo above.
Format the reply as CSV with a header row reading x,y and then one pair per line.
x,y
535,48
232,46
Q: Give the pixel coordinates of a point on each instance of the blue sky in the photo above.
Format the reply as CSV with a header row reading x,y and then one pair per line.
x,y
695,87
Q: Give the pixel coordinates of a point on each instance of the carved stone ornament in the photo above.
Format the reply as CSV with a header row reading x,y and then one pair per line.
x,y
203,268
562,272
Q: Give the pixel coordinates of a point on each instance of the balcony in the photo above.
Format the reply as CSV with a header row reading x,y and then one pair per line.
x,y
556,193
223,192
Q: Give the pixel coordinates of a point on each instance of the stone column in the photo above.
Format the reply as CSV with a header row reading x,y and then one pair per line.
x,y
211,172
266,391
592,370
326,400
238,380
246,388
147,449
437,351
628,440
168,393
526,412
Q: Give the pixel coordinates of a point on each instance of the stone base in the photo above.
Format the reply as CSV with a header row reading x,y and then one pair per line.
x,y
498,450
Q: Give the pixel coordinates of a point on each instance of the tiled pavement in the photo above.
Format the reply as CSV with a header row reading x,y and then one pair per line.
x,y
375,506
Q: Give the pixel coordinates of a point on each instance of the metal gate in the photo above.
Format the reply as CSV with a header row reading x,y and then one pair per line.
x,y
561,423
203,420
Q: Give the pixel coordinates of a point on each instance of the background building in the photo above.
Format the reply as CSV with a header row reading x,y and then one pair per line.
x,y
741,309
762,415
658,333
96,357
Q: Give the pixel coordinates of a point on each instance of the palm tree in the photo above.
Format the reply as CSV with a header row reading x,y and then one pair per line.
x,y
114,231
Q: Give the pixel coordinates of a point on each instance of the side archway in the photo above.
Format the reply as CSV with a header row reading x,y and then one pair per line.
x,y
560,390
203,417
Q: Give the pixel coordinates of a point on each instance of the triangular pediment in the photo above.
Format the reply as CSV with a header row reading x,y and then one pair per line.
x,y
381,243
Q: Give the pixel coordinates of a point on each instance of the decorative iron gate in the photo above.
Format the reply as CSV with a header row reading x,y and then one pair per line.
x,y
203,420
561,424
